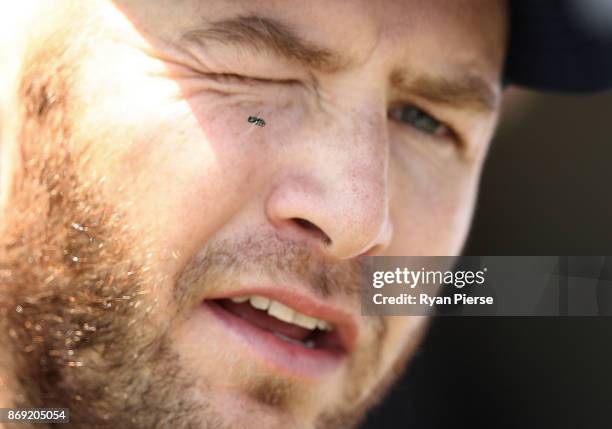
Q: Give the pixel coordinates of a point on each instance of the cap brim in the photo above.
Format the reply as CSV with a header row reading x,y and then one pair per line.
x,y
554,48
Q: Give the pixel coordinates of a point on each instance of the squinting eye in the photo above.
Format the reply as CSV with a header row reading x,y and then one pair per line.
x,y
238,78
420,120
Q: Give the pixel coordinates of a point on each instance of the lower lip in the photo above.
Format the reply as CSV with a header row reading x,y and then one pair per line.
x,y
291,359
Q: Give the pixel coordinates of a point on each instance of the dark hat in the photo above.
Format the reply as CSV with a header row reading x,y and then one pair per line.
x,y
560,45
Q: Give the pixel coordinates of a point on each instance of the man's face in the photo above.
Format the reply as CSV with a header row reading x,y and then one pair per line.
x,y
167,263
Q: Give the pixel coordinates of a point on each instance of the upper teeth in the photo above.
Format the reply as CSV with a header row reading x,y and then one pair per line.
x,y
284,313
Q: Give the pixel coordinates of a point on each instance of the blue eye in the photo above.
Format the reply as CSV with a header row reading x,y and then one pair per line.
x,y
419,119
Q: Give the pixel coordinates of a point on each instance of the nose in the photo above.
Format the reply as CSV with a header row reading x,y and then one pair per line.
x,y
332,190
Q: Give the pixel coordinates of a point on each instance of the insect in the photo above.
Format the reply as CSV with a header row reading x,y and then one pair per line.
x,y
257,121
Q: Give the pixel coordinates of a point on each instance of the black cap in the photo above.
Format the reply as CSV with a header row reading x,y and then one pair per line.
x,y
560,45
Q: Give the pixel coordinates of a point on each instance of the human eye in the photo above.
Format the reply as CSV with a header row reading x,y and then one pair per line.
x,y
250,80
420,120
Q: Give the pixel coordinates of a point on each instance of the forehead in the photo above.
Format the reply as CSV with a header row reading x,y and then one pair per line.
x,y
411,33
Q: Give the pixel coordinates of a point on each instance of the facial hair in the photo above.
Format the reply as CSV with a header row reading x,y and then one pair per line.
x,y
72,296
76,300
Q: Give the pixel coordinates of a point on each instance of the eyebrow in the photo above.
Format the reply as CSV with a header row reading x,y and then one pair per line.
x,y
466,91
261,33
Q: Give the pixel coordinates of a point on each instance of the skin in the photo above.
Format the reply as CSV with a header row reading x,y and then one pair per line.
x,y
133,187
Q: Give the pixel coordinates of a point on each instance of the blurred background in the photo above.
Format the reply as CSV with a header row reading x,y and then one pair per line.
x,y
545,191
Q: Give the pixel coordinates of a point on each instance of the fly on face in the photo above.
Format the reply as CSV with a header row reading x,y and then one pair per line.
x,y
257,121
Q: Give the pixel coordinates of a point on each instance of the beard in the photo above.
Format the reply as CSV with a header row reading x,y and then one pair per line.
x,y
78,299
72,298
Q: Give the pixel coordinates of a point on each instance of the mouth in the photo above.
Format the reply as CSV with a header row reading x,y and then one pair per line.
x,y
291,333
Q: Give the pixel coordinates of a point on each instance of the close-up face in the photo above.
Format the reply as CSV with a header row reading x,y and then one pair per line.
x,y
167,262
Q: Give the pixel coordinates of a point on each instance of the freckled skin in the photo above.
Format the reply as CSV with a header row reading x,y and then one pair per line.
x,y
111,124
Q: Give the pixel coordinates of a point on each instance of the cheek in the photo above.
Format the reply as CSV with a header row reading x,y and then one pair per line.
x,y
178,168
432,199
186,182
177,179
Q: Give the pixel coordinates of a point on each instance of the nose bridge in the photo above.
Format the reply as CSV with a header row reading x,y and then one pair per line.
x,y
358,199
341,187
361,189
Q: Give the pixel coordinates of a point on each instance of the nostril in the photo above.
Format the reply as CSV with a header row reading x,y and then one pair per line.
x,y
313,229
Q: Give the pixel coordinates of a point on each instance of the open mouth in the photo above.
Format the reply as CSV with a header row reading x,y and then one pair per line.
x,y
283,322
283,335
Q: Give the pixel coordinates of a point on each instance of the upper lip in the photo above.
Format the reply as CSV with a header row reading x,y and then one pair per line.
x,y
343,322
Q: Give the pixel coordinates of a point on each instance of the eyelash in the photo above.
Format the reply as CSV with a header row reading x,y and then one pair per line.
x,y
251,80
420,120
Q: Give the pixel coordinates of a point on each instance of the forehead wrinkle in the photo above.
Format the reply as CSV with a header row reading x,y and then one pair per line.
x,y
260,33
